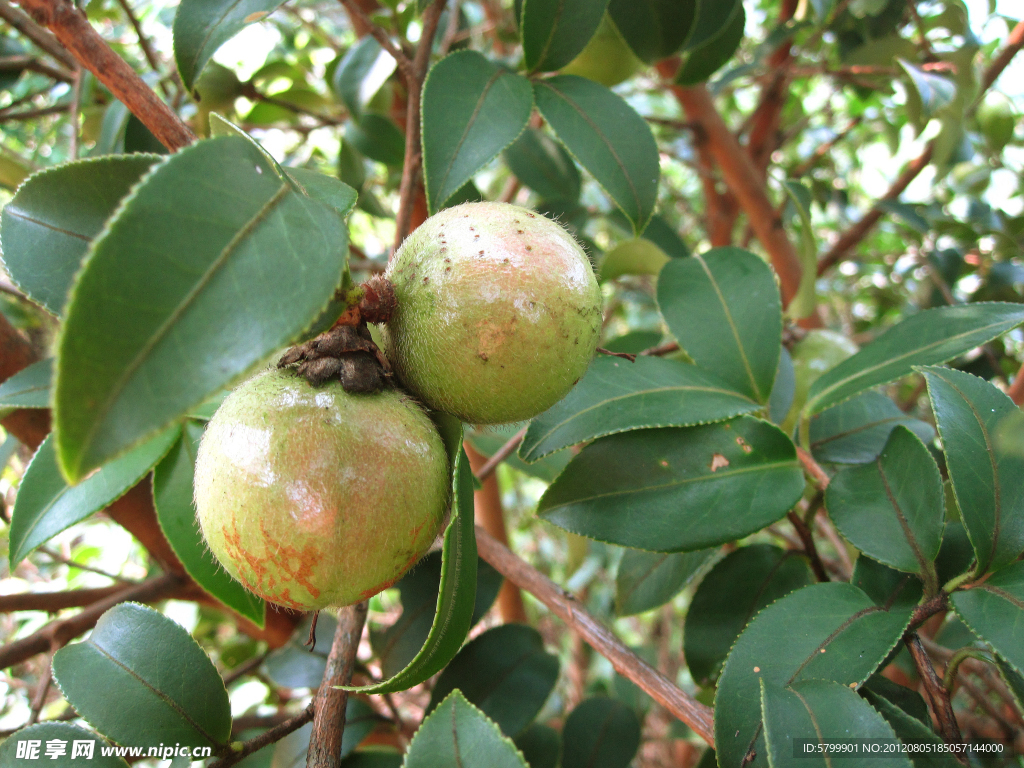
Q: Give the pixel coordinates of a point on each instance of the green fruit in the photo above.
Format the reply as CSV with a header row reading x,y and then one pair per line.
x,y
314,497
217,88
998,122
607,58
498,315
819,351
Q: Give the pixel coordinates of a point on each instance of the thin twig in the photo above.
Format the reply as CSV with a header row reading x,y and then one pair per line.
x,y
76,105
810,548
564,605
938,697
22,22
329,721
245,668
378,34
58,558
501,454
15,63
45,679
813,468
267,738
144,44
32,114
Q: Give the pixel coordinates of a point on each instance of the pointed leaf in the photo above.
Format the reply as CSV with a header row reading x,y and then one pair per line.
x,y
617,396
608,138
361,73
733,592
893,509
994,610
202,26
933,91
457,733
654,29
808,715
76,755
986,478
472,109
176,513
168,690
554,32
505,672
702,60
926,338
600,733
29,387
543,165
46,228
855,431
724,309
646,580
47,505
211,264
670,490
377,137
827,631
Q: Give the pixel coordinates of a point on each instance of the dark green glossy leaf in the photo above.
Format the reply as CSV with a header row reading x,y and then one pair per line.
x,y
740,585
472,109
994,610
1014,682
198,272
377,137
665,236
646,580
554,32
617,396
202,26
29,387
702,60
600,733
543,165
167,689
907,700
540,745
889,588
608,138
670,490
827,631
505,672
456,599
81,749
910,730
724,309
893,509
176,513
46,229
817,713
361,73
783,389
856,430
47,505
988,480
295,664
929,337
654,29
457,733
372,758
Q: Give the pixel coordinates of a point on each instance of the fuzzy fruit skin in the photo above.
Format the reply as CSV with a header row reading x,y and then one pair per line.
x,y
498,315
314,497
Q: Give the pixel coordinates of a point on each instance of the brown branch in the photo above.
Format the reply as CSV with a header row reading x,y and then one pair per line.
x,y
1016,389
73,113
813,468
22,22
682,706
75,32
938,696
765,120
329,720
59,559
501,454
32,114
15,63
51,602
144,44
810,548
378,34
267,738
45,679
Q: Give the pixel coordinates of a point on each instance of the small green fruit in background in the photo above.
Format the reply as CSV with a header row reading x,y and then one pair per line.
x,y
314,497
607,58
499,313
217,89
819,351
997,121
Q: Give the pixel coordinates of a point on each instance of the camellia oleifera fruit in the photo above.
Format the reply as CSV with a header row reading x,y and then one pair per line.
x,y
498,312
315,497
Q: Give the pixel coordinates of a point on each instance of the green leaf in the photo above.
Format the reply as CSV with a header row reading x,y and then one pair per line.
x,y
783,389
600,733
543,165
211,264
716,35
202,26
457,596
338,196
295,664
994,610
372,758
76,752
893,509
457,733
734,591
906,700
554,33
608,138
805,302
176,513
46,228
986,478
809,714
654,29
827,631
361,73
540,745
505,672
855,431
617,396
472,109
47,505
670,490
889,588
646,580
665,236
724,309
29,387
377,137
1014,682
637,256
933,92
910,730
929,337
167,689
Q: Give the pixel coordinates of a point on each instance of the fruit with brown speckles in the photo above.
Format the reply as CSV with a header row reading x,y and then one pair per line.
x,y
314,497
508,321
